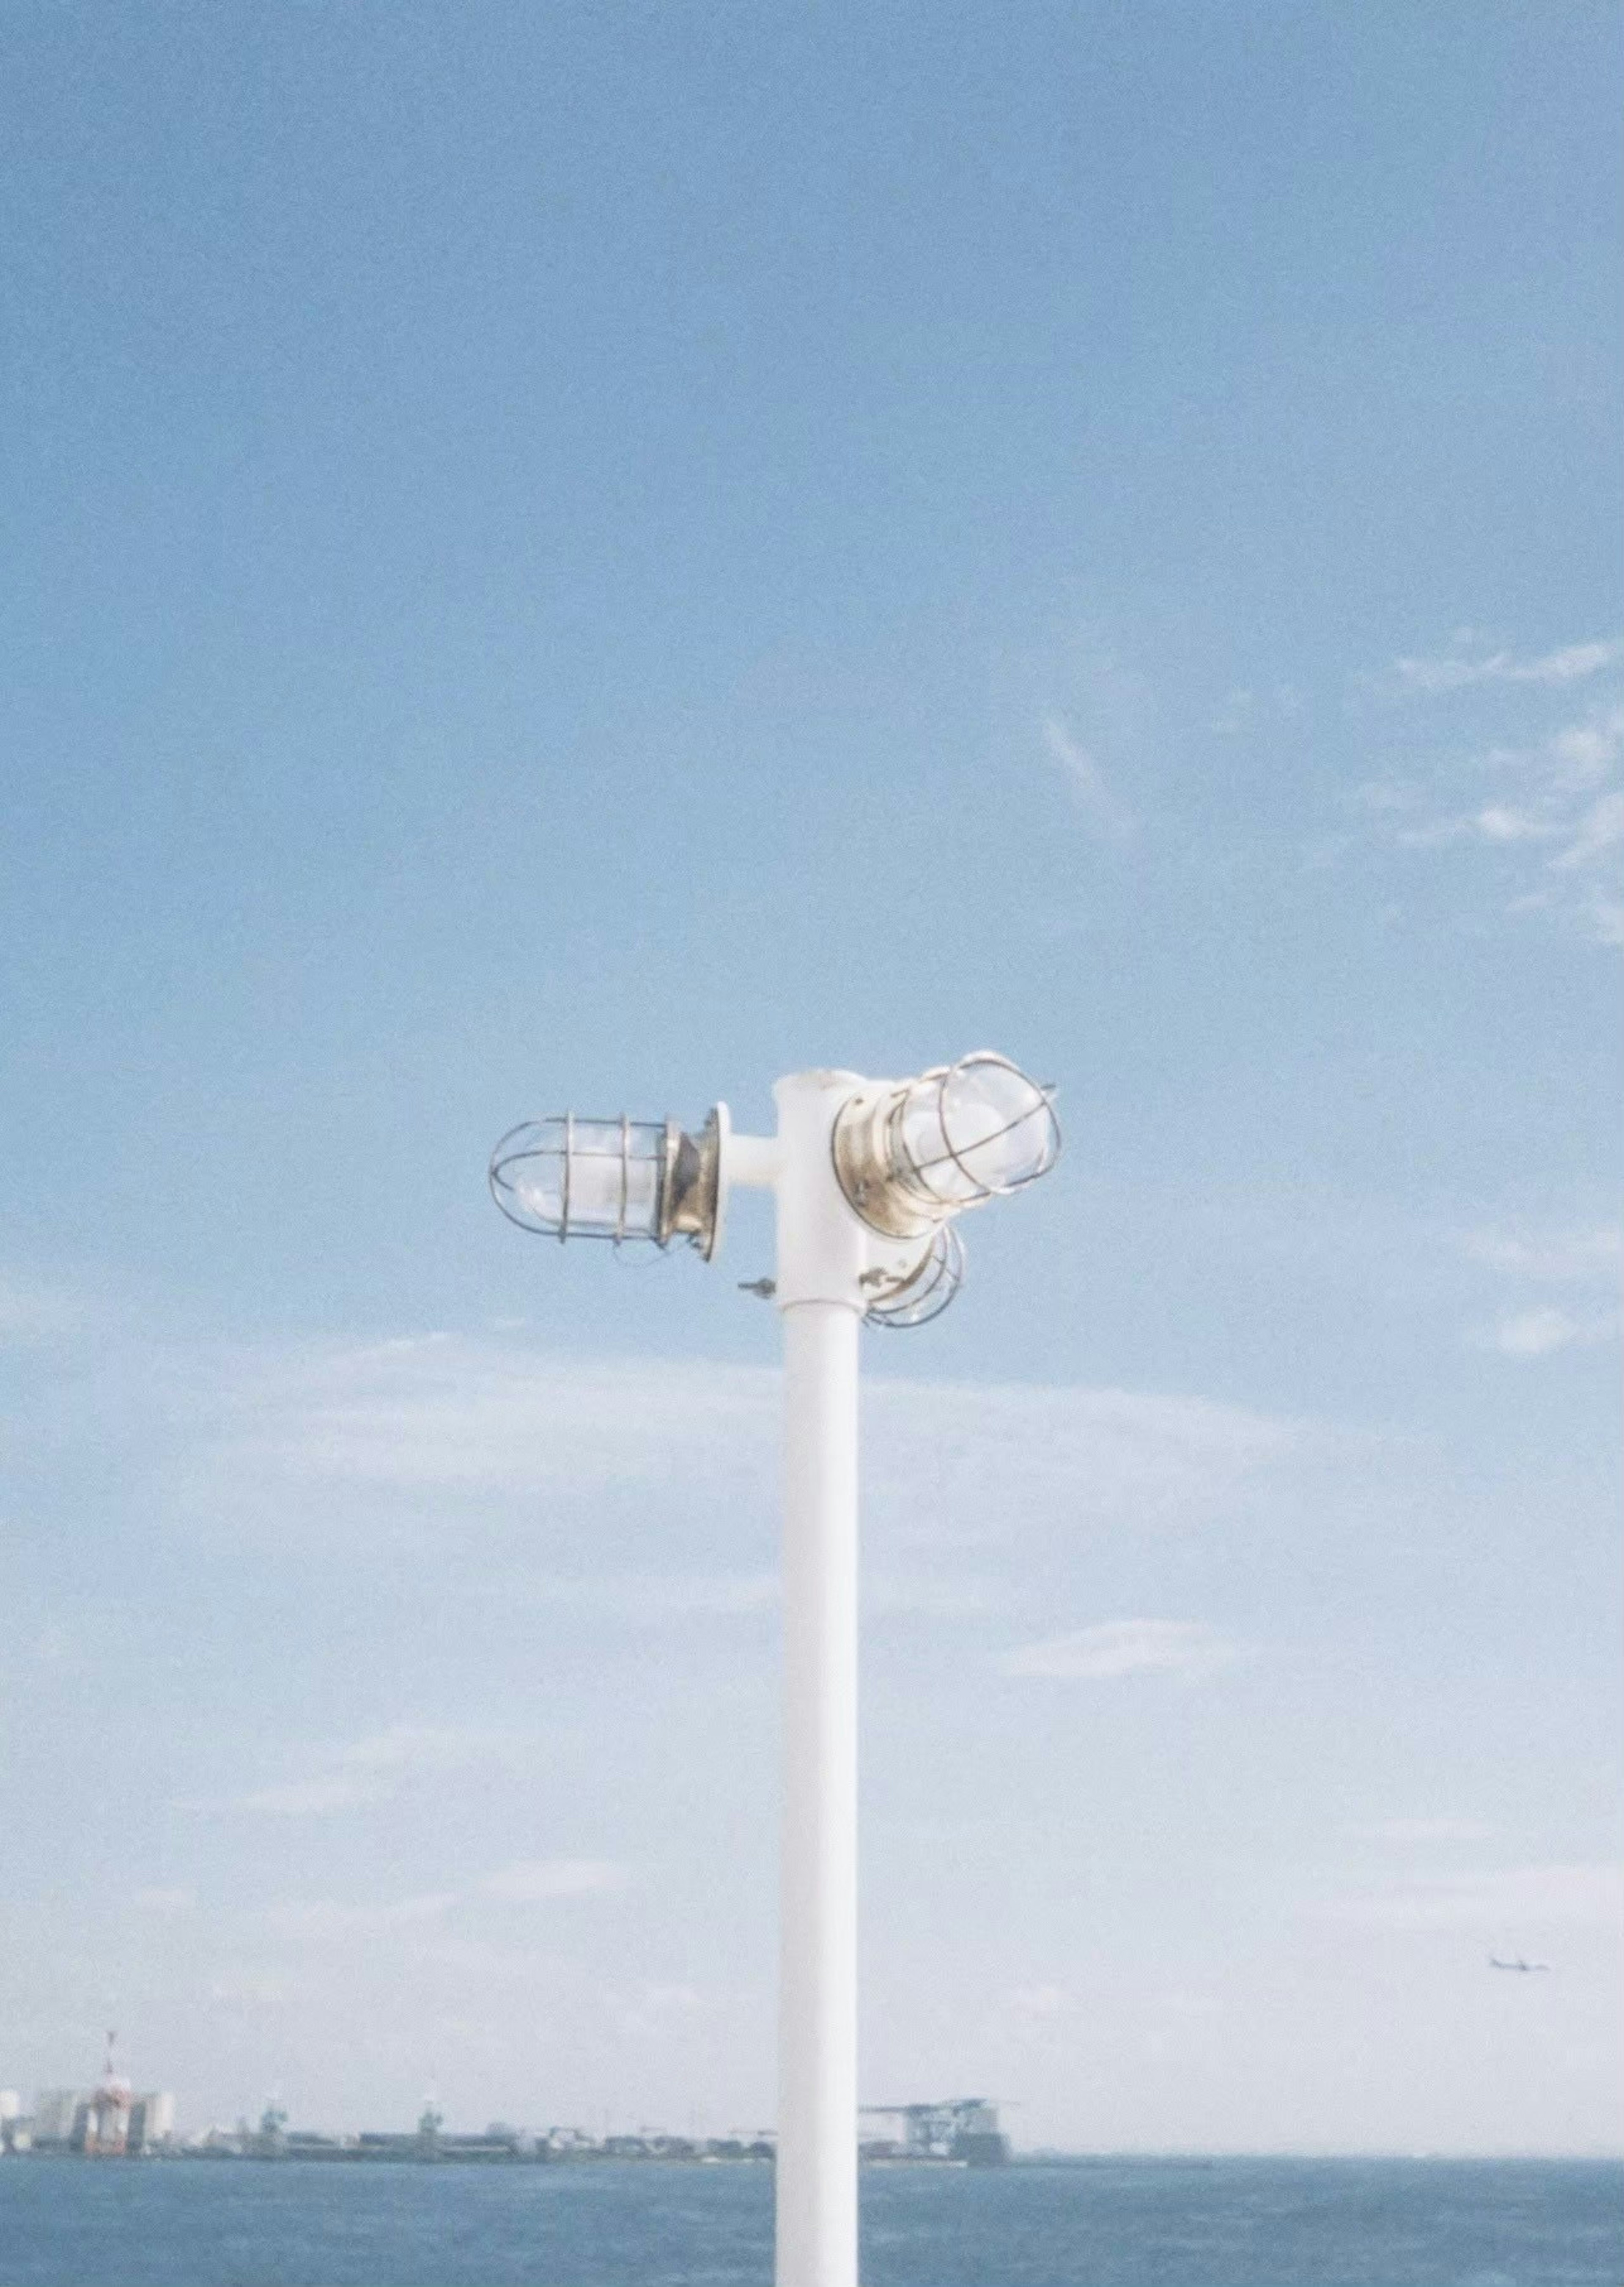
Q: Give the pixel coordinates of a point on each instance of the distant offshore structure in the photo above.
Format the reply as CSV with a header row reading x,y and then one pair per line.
x,y
113,2121
273,2140
961,2133
962,2130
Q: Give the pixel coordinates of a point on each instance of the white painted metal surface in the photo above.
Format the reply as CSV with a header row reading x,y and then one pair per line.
x,y
817,2062
833,1263
821,1255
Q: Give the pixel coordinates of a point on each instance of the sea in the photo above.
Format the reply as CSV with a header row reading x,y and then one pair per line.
x,y
1102,2223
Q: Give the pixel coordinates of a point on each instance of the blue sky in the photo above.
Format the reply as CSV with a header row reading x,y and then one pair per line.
x,y
597,556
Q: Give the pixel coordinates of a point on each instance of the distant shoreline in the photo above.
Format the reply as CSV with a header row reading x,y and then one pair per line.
x,y
372,2156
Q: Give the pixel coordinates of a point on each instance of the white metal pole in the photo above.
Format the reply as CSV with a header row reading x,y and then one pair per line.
x,y
821,1253
817,2108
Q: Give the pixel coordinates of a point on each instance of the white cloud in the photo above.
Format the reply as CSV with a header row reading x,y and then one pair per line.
x,y
299,1798
1551,813
1539,1333
655,1596
1092,795
544,1878
373,1769
1511,1899
254,1987
441,1413
466,1435
404,1747
31,1313
1117,1648
1593,1252
1020,1463
321,1920
1407,1830
1601,830
1467,663
1243,709
653,2012
1496,821
933,1596
166,1903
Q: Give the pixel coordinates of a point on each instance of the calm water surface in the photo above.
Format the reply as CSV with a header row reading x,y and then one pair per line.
x,y
1153,2223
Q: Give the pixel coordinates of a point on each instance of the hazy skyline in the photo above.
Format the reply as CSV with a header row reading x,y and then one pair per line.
x,y
596,557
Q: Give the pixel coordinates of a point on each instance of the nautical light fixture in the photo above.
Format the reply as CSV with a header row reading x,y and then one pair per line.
x,y
623,1179
909,1155
914,1294
868,1178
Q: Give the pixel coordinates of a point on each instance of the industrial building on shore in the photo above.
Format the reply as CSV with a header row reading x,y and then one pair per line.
x,y
115,2121
112,2121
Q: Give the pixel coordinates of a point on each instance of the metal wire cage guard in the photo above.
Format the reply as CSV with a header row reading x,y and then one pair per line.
x,y
916,1297
964,1133
640,1181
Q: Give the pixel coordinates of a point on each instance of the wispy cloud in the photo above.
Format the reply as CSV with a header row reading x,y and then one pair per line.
x,y
1598,832
1404,1831
1516,1898
1244,709
653,2012
1579,1257
650,1596
322,1919
1118,1648
1591,1253
1467,662
462,1435
371,1769
442,1413
933,1597
1548,814
167,1904
1091,793
405,1747
32,1313
297,1798
1543,1330
538,1883
544,1878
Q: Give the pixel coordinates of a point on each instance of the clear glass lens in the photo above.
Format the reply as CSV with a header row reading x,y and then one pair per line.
x,y
537,1186
997,1123
925,1291
979,1129
527,1175
908,1156
924,1158
923,1144
582,1178
614,1178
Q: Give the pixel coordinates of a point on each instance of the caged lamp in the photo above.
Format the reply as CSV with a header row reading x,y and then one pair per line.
x,y
623,1179
868,1179
909,1155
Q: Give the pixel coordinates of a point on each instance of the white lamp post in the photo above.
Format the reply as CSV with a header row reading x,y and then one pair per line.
x,y
868,1176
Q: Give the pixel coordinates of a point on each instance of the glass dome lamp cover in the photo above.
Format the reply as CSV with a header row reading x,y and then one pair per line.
x,y
909,1155
915,1294
642,1182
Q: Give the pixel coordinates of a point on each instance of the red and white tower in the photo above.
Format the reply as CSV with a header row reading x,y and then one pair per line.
x,y
107,2116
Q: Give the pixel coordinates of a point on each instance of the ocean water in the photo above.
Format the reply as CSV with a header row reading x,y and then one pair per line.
x,y
1123,2223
